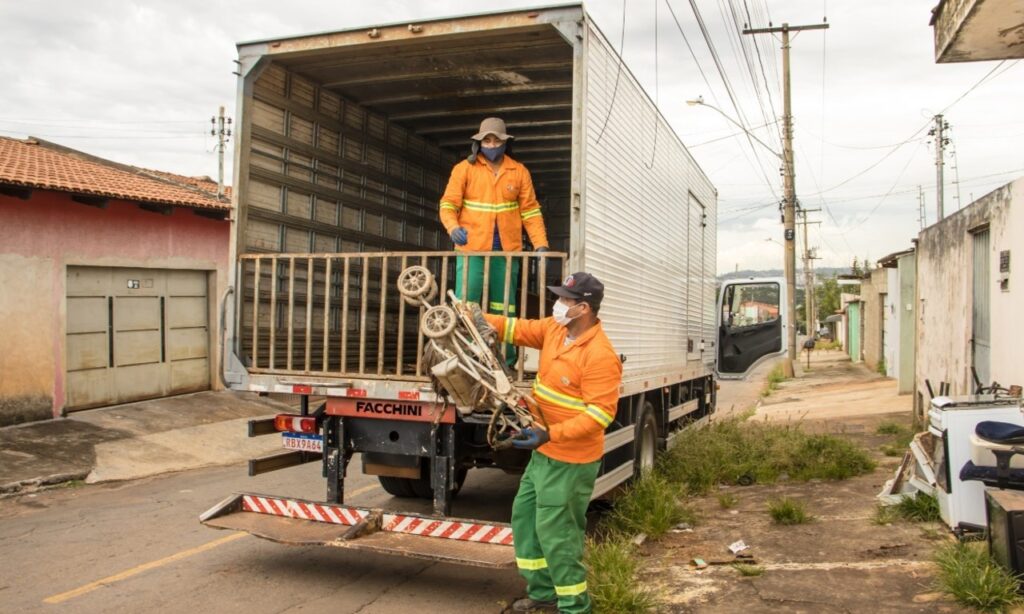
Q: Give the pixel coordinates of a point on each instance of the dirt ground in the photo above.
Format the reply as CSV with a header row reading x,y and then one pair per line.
x,y
839,562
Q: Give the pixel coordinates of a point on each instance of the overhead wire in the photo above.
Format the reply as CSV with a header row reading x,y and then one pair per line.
x,y
618,74
729,90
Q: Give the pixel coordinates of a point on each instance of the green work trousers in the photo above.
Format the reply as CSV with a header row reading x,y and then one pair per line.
x,y
549,520
496,290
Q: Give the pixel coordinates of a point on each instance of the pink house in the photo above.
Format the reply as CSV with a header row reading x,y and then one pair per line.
x,y
110,281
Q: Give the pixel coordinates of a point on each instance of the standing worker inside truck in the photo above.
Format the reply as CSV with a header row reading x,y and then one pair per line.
x,y
487,204
577,390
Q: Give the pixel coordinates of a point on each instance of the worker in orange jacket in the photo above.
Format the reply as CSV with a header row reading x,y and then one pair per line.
x,y
577,390
487,204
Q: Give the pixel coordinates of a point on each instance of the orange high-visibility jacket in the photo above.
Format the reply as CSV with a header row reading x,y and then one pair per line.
x,y
577,387
477,199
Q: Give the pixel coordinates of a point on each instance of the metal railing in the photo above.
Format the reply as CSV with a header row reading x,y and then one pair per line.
x,y
340,315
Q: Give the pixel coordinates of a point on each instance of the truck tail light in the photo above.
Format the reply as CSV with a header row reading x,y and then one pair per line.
x,y
292,423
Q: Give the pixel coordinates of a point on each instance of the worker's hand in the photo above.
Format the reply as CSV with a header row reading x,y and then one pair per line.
x,y
459,236
541,250
530,439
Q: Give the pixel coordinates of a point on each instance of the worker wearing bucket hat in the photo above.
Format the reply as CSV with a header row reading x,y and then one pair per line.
x,y
488,203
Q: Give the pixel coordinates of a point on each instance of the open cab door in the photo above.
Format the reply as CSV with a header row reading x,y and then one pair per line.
x,y
751,324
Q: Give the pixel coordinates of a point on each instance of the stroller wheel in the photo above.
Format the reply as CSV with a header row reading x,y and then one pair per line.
x,y
415,282
438,321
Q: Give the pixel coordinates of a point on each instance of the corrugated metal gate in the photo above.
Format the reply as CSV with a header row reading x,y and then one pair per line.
x,y
980,319
135,334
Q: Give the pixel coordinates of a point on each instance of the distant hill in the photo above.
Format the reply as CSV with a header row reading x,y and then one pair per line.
x,y
820,273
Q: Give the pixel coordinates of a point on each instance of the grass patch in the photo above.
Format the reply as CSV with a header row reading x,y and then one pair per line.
x,y
727,500
748,571
968,574
649,505
880,367
821,344
725,451
775,377
786,511
902,436
612,581
889,428
920,508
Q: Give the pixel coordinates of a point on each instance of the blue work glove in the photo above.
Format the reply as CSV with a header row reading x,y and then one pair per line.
x,y
541,250
530,439
459,236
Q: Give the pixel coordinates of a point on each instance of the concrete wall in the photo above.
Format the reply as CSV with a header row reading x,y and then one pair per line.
x,y
49,232
944,277
873,292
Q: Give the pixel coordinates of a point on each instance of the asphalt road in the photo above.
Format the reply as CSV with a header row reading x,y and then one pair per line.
x,y
138,547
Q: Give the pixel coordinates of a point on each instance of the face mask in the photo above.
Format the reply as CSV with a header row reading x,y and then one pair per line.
x,y
493,153
560,312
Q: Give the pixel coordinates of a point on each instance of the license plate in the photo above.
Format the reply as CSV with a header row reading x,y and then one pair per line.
x,y
303,442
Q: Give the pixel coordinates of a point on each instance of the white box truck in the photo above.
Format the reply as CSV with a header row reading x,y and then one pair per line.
x,y
345,141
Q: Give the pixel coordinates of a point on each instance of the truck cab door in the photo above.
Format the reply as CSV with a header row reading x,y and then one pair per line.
x,y
751,324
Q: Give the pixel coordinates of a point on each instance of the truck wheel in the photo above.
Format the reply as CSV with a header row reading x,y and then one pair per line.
x,y
645,441
396,487
423,490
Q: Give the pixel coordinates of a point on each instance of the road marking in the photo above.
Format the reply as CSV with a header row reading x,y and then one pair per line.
x,y
124,575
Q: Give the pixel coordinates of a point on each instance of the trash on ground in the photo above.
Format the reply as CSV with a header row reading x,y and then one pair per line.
x,y
737,547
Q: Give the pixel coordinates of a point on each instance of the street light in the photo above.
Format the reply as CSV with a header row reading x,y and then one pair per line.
x,y
788,222
699,100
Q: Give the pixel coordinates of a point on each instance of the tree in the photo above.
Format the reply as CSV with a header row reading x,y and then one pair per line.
x,y
856,269
827,298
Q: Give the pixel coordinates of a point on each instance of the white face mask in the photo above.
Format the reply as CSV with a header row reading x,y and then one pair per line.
x,y
560,312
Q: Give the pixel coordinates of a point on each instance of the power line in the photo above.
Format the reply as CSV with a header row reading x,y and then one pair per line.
x,y
916,132
913,155
618,73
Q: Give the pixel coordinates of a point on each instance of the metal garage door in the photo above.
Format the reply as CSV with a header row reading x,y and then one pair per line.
x,y
135,334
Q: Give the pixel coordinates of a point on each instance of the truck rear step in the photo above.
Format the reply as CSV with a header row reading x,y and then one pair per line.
x,y
307,523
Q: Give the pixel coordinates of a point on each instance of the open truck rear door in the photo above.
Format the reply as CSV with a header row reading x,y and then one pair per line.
x,y
751,324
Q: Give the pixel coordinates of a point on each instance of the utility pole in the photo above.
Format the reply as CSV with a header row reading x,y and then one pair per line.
x,y
941,141
789,184
220,130
809,312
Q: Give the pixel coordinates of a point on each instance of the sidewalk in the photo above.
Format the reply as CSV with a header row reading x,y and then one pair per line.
x,y
135,440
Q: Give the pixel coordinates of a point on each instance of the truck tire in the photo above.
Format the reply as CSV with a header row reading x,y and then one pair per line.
x,y
408,488
396,487
645,441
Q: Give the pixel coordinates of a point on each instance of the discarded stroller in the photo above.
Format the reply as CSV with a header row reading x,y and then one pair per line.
x,y
465,365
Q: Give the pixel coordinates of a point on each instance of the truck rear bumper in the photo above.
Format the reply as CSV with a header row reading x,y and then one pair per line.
x,y
307,523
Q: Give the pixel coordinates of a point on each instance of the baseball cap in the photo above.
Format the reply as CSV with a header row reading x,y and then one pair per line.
x,y
581,287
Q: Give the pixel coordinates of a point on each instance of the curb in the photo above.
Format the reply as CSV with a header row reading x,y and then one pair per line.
x,y
13,489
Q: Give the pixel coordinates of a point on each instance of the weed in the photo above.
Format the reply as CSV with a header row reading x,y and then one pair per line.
x,y
612,582
786,511
880,368
968,574
727,450
821,344
889,428
727,500
921,508
72,484
775,377
748,571
932,534
893,450
650,505
884,515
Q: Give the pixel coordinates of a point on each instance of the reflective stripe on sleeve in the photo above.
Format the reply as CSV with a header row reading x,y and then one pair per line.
x,y
531,564
510,330
571,590
531,213
601,416
448,205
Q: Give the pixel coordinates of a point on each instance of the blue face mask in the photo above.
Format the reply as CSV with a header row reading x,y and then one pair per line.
x,y
493,153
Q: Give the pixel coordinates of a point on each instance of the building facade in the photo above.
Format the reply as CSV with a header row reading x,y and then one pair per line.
x,y
111,278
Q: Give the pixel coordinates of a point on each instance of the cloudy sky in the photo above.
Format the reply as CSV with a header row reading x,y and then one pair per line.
x,y
138,81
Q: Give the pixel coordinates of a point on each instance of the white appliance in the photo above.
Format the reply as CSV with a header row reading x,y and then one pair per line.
x,y
951,421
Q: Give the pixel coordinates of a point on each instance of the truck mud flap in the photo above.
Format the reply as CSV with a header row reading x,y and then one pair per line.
x,y
309,523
